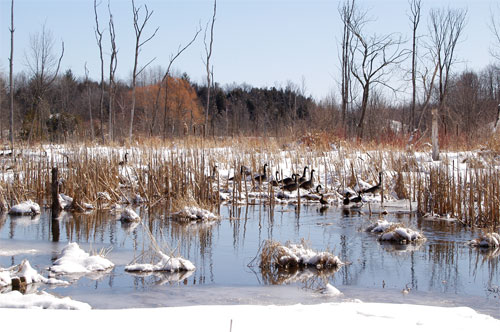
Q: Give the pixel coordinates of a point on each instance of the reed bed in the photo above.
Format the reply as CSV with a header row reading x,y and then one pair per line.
x,y
180,173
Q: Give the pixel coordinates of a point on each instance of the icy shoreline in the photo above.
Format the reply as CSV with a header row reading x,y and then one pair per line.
x,y
326,316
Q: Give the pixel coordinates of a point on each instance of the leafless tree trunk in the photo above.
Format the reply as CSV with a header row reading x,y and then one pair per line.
x,y
208,53
98,37
445,29
11,78
164,82
372,57
112,70
89,96
415,6
346,14
138,27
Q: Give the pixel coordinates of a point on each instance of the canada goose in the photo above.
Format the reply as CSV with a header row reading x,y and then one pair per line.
x,y
243,172
303,178
318,187
355,200
262,177
309,183
276,181
376,188
124,161
287,181
292,186
323,201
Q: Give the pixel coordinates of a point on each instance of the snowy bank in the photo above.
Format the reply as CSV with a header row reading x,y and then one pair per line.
x,y
354,316
75,260
40,300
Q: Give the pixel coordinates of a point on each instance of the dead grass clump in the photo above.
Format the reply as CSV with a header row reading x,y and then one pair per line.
x,y
396,233
488,240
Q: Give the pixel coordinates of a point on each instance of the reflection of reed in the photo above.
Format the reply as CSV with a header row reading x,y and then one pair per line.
x,y
279,276
162,278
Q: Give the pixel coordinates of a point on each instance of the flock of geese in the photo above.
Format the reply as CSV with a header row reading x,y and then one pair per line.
x,y
296,181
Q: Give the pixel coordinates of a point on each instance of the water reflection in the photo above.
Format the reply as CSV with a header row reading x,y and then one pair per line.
x,y
221,250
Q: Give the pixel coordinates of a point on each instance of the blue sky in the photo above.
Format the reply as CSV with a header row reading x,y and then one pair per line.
x,y
262,43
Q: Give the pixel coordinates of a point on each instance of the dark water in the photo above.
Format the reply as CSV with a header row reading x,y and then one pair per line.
x,y
442,271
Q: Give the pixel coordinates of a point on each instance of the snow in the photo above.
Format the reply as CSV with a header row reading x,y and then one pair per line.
x,y
25,208
401,235
330,290
195,213
356,316
40,300
379,226
129,215
25,270
167,263
489,240
75,260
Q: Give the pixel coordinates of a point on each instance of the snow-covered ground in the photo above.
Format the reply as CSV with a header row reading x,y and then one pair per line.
x,y
356,316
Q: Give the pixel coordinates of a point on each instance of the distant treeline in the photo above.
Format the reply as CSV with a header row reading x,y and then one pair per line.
x,y
65,107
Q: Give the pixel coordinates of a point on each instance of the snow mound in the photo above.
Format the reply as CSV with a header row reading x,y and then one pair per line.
x,y
41,300
129,215
75,260
379,226
25,208
195,213
296,255
31,276
401,235
489,240
331,291
166,264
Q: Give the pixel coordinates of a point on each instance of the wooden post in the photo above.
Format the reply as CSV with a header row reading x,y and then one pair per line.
x,y
435,135
56,205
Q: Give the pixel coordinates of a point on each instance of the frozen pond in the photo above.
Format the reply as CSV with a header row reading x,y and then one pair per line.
x,y
442,271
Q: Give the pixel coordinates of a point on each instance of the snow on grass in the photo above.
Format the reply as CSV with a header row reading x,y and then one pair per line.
x,y
74,260
166,264
195,213
25,208
488,240
379,226
31,276
402,235
274,254
41,300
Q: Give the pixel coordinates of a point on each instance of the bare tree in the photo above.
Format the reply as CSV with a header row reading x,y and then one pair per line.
x,y
445,28
44,66
11,78
208,55
415,7
372,58
138,28
164,82
112,70
98,37
346,12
